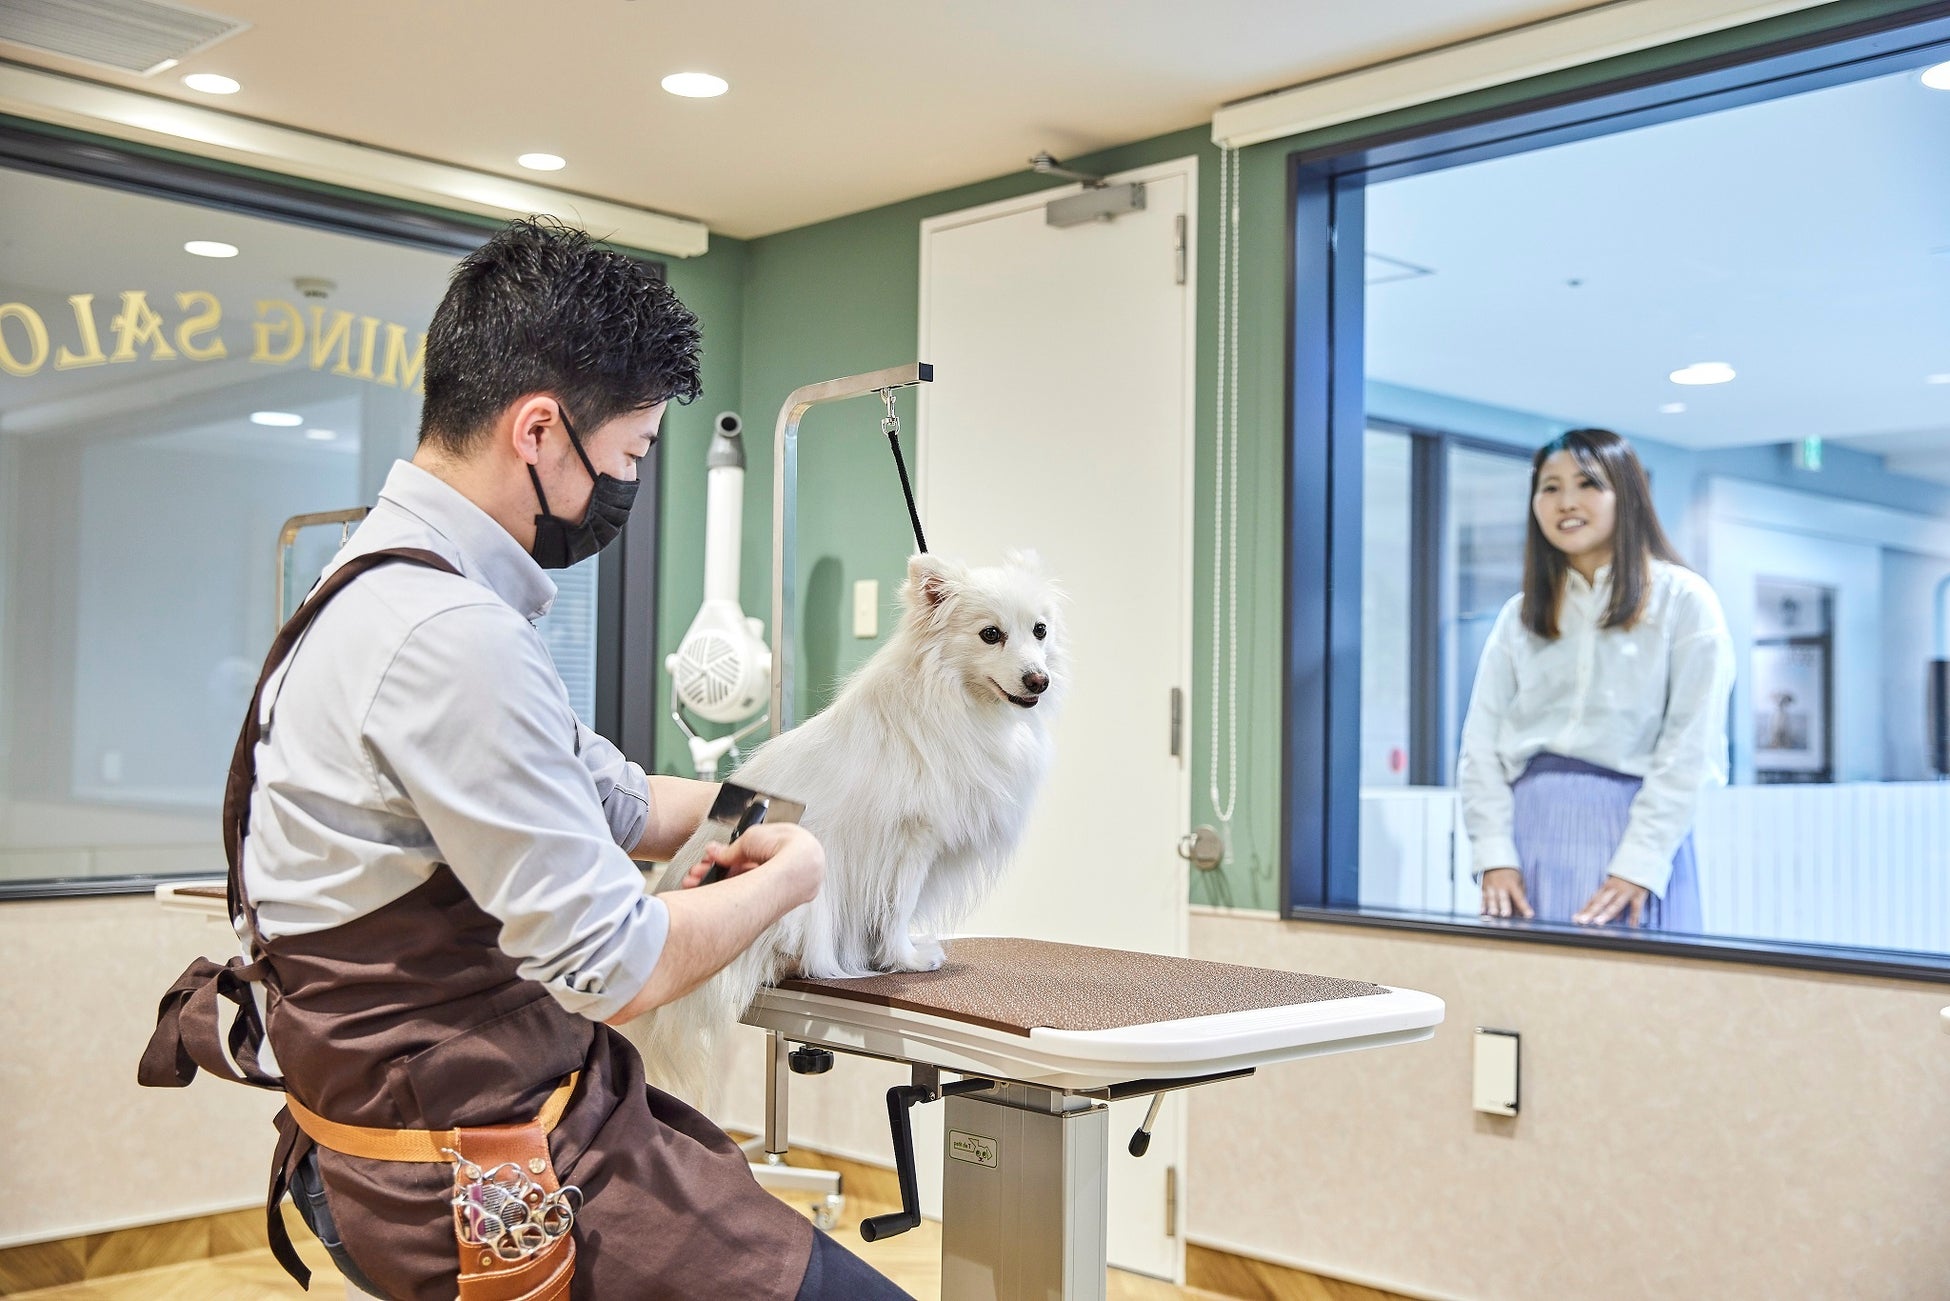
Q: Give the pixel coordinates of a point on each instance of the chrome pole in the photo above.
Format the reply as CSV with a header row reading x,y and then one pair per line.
x,y
785,509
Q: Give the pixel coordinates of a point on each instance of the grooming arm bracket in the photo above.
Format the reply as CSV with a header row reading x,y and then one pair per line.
x,y
785,509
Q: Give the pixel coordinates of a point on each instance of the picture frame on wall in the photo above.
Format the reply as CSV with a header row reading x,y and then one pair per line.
x,y
1791,672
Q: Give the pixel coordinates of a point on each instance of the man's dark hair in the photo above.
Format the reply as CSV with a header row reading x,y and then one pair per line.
x,y
541,308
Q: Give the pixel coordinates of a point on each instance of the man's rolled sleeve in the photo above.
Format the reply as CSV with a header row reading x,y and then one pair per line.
x,y
471,727
621,784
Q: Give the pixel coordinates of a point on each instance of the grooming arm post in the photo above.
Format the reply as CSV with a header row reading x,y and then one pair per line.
x,y
785,508
776,1080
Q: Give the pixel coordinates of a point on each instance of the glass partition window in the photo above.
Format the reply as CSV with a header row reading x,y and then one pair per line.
x,y
1758,300
162,416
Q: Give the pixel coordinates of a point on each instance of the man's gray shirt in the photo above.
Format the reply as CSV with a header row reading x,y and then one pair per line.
x,y
420,721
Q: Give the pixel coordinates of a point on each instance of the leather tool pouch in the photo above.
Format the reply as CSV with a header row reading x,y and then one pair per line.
x,y
485,1275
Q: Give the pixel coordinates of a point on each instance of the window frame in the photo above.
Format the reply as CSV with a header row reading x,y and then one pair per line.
x,y
626,618
1430,579
1327,419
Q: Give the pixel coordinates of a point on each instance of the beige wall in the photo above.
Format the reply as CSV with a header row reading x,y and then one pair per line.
x,y
88,1147
1689,1129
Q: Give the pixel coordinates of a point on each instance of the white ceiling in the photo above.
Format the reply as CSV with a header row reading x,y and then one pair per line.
x,y
1805,241
834,108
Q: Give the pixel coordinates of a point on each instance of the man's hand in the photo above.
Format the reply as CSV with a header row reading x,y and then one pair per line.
x,y
775,869
787,851
1614,897
1503,894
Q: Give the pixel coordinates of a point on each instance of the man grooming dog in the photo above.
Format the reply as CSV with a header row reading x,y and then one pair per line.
x,y
918,780
430,856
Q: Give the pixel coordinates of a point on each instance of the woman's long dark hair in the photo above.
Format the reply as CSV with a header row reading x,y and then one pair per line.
x,y
1636,539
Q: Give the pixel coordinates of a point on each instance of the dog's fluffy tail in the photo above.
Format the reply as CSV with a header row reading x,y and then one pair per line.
x,y
683,1035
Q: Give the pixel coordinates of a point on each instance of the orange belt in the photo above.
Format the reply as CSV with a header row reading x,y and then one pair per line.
x,y
424,1145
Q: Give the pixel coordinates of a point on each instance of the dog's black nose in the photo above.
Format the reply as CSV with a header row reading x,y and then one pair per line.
x,y
1035,683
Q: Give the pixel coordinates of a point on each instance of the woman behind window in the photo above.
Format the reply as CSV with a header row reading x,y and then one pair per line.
x,y
1600,706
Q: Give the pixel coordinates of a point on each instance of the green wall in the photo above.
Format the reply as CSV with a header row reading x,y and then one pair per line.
x,y
842,296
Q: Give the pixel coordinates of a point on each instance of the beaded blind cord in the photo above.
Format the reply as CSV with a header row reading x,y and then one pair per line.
x,y
1225,510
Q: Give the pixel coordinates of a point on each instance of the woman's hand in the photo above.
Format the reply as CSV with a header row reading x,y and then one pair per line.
x,y
1503,894
791,851
1614,897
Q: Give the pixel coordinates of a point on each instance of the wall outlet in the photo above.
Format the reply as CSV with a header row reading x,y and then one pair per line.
x,y
866,607
1496,1071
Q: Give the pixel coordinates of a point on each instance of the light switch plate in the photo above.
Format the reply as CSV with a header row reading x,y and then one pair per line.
x,y
866,607
1496,1071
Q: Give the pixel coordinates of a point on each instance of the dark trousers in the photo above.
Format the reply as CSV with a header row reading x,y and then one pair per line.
x,y
835,1274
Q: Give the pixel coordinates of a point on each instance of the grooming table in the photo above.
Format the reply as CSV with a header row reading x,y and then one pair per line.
x,y
1045,1035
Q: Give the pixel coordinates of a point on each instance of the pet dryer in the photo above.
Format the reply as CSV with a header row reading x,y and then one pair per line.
x,y
722,669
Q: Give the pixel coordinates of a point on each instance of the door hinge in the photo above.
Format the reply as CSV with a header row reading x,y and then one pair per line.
x,y
1181,247
1177,723
1171,1201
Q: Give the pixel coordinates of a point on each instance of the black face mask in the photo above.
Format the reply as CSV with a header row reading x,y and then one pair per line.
x,y
558,543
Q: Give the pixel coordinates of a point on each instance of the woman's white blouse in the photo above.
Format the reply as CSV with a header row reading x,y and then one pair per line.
x,y
1649,701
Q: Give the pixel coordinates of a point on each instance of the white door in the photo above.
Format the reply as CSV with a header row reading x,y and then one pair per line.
x,y
1060,418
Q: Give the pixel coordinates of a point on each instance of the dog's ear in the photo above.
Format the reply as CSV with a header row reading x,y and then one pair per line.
x,y
932,580
1026,559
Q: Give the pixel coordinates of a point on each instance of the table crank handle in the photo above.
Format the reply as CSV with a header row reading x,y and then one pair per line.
x,y
899,1099
1141,1141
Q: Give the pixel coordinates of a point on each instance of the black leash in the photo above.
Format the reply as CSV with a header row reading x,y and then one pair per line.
x,y
891,425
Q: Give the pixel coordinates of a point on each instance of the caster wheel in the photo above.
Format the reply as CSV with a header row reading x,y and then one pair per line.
x,y
827,1213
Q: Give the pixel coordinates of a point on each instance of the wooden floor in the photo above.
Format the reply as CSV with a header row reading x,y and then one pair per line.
x,y
912,1260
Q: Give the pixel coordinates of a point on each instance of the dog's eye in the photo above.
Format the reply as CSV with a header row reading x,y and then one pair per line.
x,y
1041,631
992,635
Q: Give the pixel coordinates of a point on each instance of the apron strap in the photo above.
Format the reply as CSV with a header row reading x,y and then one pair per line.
x,y
189,1029
293,1145
243,760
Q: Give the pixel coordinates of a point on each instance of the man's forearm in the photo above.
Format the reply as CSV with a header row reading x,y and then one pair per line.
x,y
709,926
677,806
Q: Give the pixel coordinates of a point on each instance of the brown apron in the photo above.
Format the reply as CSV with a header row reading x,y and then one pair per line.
x,y
411,1017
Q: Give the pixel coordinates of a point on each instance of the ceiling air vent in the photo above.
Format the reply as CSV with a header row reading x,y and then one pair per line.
x,y
138,36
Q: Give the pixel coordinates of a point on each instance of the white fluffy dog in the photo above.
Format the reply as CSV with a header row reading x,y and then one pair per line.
x,y
918,780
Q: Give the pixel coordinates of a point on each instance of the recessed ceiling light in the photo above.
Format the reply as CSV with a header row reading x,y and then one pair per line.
x,y
1672,408
1942,377
695,85
1702,372
210,248
542,162
277,419
1937,78
211,83
321,435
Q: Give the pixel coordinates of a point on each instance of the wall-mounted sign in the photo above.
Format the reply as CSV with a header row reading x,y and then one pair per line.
x,y
324,339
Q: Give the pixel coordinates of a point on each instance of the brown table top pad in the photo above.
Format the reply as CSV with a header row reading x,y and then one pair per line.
x,y
1018,985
